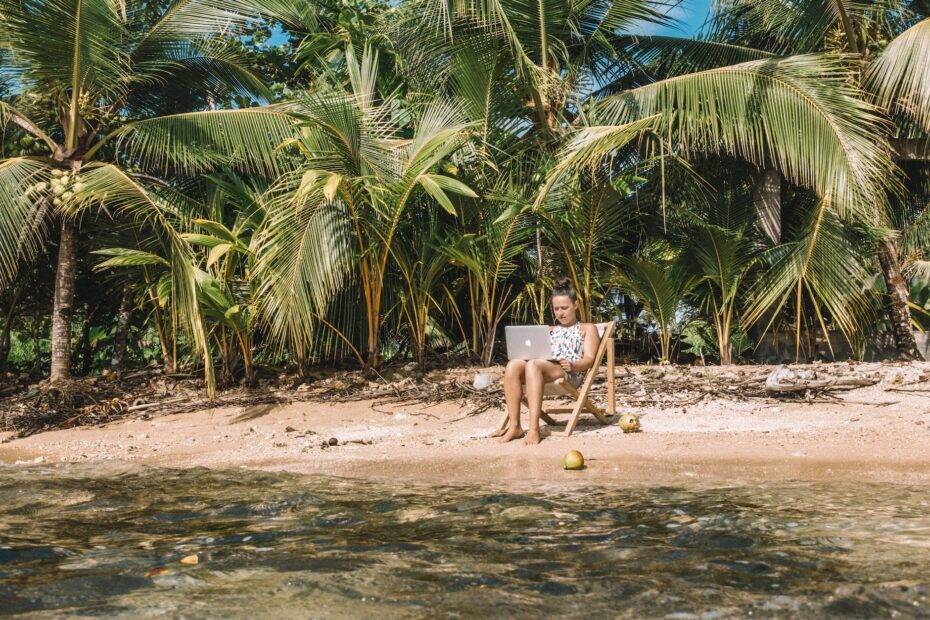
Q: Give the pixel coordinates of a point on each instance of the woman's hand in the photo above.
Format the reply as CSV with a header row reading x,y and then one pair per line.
x,y
566,365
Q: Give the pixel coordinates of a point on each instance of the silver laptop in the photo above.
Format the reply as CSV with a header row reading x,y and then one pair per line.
x,y
528,342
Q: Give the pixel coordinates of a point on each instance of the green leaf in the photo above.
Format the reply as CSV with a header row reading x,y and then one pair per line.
x,y
452,185
217,229
198,239
217,252
512,211
126,257
899,77
433,189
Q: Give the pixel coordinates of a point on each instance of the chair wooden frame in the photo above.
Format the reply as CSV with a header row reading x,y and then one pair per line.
x,y
582,404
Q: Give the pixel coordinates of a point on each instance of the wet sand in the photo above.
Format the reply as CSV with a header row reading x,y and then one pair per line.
x,y
874,434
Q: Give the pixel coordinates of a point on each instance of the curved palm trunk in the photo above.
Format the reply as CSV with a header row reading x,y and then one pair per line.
x,y
766,199
898,313
62,310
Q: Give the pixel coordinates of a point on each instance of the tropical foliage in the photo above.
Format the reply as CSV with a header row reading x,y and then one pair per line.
x,y
253,184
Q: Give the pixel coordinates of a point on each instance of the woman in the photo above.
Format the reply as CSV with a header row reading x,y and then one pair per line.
x,y
574,345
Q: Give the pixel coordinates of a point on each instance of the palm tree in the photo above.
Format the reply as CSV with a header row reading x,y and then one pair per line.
x,y
592,96
334,220
721,259
115,84
887,41
661,286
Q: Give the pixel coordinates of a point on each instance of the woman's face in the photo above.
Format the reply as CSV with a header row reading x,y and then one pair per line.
x,y
564,309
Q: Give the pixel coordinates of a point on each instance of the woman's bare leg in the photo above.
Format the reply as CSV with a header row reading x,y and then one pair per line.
x,y
513,393
538,373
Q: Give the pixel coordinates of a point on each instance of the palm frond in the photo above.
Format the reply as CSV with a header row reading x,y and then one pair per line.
x,y
192,19
589,146
128,257
659,288
24,206
667,56
900,77
203,141
108,185
214,65
800,115
304,258
67,44
822,266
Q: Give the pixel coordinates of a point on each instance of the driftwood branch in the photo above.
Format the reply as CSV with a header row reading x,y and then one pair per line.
x,y
783,380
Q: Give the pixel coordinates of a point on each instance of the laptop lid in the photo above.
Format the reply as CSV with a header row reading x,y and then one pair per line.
x,y
528,342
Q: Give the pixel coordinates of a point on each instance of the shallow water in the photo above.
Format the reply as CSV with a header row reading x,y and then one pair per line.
x,y
276,545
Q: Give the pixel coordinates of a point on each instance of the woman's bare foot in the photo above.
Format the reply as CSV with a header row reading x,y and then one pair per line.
x,y
511,434
532,437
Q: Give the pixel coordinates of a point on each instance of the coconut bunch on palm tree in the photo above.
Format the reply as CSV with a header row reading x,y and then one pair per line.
x,y
123,84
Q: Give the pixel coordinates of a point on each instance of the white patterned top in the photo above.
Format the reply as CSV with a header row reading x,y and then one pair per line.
x,y
567,343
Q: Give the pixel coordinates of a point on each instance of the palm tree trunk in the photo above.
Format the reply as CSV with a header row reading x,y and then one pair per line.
x,y
37,346
898,312
62,309
539,274
767,201
7,329
84,346
249,367
120,339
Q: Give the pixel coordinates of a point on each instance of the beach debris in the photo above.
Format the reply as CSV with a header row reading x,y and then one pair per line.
x,y
190,559
784,380
629,423
573,460
151,393
482,381
333,441
157,571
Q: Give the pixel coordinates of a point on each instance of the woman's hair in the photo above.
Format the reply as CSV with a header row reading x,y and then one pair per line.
x,y
563,286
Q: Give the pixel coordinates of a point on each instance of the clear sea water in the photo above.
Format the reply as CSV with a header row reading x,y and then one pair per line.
x,y
75,543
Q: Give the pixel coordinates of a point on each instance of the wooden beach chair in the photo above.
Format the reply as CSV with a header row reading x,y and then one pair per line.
x,y
581,402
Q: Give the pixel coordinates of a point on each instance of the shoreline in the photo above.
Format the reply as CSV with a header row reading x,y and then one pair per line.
x,y
879,433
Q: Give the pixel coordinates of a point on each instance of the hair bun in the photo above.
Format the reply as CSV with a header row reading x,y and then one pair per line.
x,y
564,286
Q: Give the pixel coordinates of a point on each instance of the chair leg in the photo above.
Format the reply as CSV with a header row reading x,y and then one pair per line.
x,y
581,401
573,420
501,426
544,416
611,378
599,413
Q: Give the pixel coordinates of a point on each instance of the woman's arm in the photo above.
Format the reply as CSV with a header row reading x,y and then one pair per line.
x,y
591,342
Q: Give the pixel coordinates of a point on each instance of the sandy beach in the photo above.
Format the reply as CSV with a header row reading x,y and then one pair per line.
x,y
876,433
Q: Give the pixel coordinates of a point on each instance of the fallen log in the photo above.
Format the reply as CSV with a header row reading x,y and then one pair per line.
x,y
783,380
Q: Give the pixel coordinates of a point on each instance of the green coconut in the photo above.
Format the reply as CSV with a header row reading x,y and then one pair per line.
x,y
573,460
629,423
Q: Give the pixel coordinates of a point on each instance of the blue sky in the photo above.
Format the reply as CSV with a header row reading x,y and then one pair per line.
x,y
690,16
